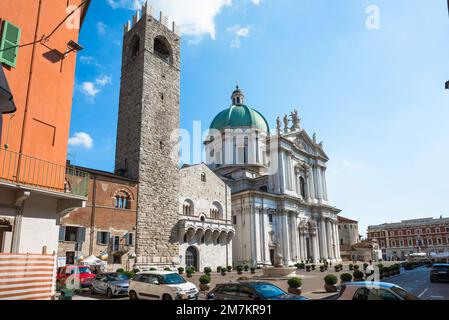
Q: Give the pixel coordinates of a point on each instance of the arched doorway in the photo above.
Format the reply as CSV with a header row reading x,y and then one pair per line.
x,y
192,257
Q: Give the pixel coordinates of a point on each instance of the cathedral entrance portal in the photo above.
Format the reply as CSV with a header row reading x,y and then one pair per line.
x,y
192,258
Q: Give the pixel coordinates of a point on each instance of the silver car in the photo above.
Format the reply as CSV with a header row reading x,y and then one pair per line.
x,y
111,284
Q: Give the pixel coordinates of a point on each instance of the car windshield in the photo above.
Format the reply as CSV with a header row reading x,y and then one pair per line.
x,y
440,267
403,294
84,270
172,278
268,291
117,277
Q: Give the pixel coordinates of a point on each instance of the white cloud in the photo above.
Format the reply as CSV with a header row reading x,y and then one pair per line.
x,y
88,60
81,139
101,28
195,17
239,33
91,89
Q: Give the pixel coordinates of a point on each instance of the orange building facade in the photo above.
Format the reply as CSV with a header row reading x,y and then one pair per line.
x,y
38,49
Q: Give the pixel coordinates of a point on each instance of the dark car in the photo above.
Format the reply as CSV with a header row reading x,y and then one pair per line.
x,y
251,290
439,272
111,284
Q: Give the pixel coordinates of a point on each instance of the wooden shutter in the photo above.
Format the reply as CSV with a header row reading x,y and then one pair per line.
x,y
81,235
62,233
9,45
99,237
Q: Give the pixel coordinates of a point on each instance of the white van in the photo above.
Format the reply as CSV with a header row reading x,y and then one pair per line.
x,y
161,285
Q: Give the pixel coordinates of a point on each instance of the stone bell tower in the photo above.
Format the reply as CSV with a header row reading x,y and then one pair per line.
x,y
148,119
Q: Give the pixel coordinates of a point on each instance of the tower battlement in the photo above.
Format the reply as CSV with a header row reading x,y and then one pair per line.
x,y
148,11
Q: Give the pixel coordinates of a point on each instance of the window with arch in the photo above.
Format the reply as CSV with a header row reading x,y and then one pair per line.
x,y
216,212
162,49
187,208
302,186
202,218
122,200
203,177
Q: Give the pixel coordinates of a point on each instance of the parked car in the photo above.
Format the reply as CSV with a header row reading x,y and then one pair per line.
x,y
112,284
250,290
373,291
439,272
80,274
161,285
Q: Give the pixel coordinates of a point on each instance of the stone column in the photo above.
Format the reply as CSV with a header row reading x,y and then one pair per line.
x,y
303,245
285,244
311,185
337,244
281,171
323,239
319,193
330,240
323,173
315,248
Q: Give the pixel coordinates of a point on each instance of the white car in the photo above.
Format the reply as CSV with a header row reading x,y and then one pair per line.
x,y
373,291
161,285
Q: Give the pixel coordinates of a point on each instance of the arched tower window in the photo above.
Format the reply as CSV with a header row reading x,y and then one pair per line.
x,y
122,200
162,49
187,208
302,185
216,211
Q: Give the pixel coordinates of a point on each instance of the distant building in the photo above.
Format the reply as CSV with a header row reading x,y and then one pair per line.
x,y
348,231
397,240
36,187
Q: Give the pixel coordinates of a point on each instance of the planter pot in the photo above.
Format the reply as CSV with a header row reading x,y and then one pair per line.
x,y
239,272
330,288
204,287
296,291
189,275
359,279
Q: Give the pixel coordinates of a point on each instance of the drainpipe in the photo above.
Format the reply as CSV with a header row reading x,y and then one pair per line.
x,y
92,216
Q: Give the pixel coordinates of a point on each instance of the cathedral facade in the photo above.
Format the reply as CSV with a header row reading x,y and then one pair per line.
x,y
278,182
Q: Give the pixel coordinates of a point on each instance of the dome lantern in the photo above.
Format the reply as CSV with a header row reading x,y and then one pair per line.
x,y
238,97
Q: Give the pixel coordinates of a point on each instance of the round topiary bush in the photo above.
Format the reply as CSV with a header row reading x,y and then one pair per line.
x,y
337,268
246,267
365,265
346,277
313,267
136,270
207,270
351,267
295,282
229,268
239,269
358,275
253,270
308,268
223,272
167,269
205,279
121,270
180,270
322,268
356,267
219,269
330,279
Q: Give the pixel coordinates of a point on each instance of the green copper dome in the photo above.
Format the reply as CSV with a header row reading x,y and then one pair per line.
x,y
240,115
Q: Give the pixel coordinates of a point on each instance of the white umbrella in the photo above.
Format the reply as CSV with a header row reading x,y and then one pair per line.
x,y
92,261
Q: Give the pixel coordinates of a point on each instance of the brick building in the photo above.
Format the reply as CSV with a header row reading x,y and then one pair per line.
x,y
397,240
106,226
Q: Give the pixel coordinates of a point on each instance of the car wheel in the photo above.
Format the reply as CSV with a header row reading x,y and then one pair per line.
x,y
166,297
133,295
109,293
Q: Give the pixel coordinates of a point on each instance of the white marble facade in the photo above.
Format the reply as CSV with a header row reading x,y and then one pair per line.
x,y
279,190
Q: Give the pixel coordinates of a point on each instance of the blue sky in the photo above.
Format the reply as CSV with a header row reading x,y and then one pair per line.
x,y
374,96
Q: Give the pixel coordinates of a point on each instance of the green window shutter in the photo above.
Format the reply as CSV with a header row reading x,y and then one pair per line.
x,y
9,45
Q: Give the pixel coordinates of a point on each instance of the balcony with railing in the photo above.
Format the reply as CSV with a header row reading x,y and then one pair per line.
x,y
25,171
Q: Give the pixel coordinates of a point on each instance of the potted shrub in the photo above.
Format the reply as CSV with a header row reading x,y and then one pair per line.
x,y
223,271
365,265
313,267
356,267
207,271
239,269
341,267
204,282
308,268
337,268
167,269
294,285
386,272
351,267
253,270
358,276
121,270
219,269
180,270
229,268
189,272
246,267
329,283
346,277
322,268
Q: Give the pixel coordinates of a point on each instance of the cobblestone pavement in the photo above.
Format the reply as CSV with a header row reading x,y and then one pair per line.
x,y
312,287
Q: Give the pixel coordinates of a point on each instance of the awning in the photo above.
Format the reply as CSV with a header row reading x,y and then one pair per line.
x,y
6,99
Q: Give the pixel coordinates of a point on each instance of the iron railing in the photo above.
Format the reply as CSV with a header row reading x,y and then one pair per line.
x,y
24,170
